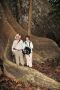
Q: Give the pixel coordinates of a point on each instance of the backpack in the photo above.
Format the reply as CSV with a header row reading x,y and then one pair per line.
x,y
27,50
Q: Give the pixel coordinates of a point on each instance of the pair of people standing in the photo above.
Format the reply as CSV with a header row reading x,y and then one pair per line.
x,y
18,46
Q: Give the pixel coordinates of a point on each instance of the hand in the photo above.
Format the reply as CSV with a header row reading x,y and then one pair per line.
x,y
14,48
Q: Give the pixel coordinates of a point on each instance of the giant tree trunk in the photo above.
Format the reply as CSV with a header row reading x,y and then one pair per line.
x,y
8,31
43,45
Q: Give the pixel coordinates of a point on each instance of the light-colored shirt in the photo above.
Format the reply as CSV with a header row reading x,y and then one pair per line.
x,y
28,44
18,45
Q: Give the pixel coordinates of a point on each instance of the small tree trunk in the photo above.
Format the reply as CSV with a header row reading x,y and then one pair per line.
x,y
30,18
18,10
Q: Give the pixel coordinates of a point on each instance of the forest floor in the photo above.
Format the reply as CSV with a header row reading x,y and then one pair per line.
x,y
48,68
9,84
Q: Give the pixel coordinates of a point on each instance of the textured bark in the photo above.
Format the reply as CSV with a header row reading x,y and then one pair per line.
x,y
30,18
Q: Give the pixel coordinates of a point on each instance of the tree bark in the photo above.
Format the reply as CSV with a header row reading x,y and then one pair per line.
x,y
30,17
18,10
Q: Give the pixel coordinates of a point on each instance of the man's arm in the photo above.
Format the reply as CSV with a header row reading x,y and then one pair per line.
x,y
31,45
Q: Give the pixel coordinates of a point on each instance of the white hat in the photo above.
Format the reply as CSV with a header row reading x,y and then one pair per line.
x,y
17,35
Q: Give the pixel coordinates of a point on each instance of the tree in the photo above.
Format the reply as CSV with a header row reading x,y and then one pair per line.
x,y
30,17
18,10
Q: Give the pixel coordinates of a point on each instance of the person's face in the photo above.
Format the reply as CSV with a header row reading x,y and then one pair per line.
x,y
18,37
27,39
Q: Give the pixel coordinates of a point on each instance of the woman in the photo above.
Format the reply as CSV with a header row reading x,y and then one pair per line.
x,y
28,44
17,49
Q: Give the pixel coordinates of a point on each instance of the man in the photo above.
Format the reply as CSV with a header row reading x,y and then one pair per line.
x,y
17,49
28,44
